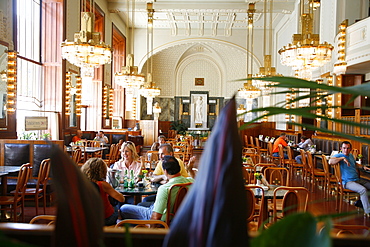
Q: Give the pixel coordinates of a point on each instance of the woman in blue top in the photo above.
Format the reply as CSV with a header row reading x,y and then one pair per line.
x,y
350,177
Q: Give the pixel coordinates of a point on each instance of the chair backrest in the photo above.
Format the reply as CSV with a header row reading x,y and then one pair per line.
x,y
325,165
269,148
152,155
246,141
309,161
45,219
172,133
354,152
290,153
76,155
350,229
276,175
250,191
303,157
142,223
251,141
338,177
23,176
96,143
248,174
43,176
295,200
180,155
172,206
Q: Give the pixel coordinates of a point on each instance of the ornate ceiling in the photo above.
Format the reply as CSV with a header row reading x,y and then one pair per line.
x,y
198,18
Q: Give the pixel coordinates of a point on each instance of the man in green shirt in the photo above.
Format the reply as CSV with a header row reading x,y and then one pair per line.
x,y
157,211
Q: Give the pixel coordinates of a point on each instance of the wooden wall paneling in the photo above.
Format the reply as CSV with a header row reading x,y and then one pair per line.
x,y
149,129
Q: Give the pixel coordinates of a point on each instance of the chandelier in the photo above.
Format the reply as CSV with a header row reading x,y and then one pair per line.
x,y
249,91
87,51
129,77
305,52
150,91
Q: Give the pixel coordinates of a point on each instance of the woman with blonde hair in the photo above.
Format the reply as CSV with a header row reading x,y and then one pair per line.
x,y
130,160
96,171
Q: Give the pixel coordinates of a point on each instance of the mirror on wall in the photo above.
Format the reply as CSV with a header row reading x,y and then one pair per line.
x,y
3,82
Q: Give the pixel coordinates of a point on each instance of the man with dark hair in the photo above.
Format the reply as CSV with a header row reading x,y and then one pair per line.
x,y
157,144
350,177
281,140
305,144
158,174
101,137
157,211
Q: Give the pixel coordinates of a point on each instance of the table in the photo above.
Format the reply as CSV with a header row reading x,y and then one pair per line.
x,y
88,150
4,172
269,194
137,192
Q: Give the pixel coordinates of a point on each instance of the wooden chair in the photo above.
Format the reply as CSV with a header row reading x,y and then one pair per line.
x,y
341,192
248,174
354,152
111,156
254,206
330,180
172,206
251,142
180,155
295,200
142,223
45,219
172,134
293,165
260,150
341,230
272,158
40,191
246,142
17,200
306,172
315,174
277,175
283,161
77,155
96,144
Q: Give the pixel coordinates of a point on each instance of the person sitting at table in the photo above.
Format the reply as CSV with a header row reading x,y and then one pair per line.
x,y
305,144
281,140
77,137
158,174
350,176
95,170
100,137
130,160
161,140
157,211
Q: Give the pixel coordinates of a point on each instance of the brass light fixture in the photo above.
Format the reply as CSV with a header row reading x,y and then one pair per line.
x,y
305,53
108,102
87,51
129,77
12,82
150,91
340,66
249,91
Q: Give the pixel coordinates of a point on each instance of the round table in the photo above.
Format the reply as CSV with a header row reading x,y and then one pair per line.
x,y
137,192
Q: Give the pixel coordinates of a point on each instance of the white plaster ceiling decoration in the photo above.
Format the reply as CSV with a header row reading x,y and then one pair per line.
x,y
200,18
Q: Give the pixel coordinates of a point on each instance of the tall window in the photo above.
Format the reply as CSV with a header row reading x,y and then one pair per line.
x,y
28,45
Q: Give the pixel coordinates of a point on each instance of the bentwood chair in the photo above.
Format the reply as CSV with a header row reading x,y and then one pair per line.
x,y
330,180
277,176
40,191
44,219
295,200
16,200
142,223
341,192
248,173
293,165
254,206
111,156
77,155
173,205
272,158
260,150
315,174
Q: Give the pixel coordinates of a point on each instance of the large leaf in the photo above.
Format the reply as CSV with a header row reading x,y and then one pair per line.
x,y
294,230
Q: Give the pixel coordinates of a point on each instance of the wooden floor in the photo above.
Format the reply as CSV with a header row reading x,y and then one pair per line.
x,y
317,205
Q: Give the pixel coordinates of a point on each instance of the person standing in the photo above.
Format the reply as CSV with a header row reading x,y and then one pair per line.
x,y
350,177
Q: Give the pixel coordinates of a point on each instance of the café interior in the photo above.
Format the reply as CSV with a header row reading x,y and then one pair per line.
x,y
137,70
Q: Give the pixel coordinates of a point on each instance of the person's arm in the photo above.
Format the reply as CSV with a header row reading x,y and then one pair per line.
x,y
112,192
190,166
336,160
106,140
156,216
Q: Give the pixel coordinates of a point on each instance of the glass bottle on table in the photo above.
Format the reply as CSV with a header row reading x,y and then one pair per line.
x,y
125,180
132,179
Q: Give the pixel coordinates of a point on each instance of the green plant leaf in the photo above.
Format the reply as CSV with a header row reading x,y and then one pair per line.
x,y
294,230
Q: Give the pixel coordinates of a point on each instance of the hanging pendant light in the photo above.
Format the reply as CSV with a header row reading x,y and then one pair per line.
x,y
87,51
129,77
150,91
305,52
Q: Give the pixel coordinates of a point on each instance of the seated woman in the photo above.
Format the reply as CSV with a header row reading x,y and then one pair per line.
x,y
161,140
96,171
130,160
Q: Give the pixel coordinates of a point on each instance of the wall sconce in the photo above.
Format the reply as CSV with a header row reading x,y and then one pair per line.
x,y
12,81
108,102
78,95
340,66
